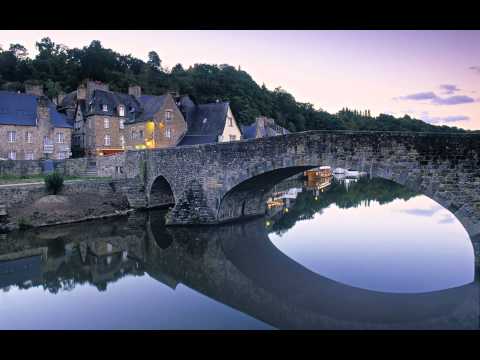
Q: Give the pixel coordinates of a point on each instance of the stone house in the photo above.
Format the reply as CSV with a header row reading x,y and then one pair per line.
x,y
31,128
208,123
263,127
160,125
108,122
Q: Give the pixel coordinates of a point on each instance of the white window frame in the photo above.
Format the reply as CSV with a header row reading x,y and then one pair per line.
x,y
104,107
29,155
106,123
107,140
121,110
28,137
60,138
168,133
168,115
12,155
122,124
12,136
122,141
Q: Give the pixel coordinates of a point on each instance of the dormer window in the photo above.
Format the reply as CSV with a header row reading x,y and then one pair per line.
x,y
168,115
104,107
121,110
230,121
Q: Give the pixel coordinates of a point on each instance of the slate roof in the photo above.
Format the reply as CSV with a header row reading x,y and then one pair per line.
x,y
205,123
112,100
21,110
270,128
249,131
150,105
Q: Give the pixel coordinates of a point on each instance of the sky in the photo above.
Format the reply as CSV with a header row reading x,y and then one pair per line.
x,y
431,75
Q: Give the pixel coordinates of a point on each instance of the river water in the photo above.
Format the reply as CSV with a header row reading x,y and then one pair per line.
x,y
332,254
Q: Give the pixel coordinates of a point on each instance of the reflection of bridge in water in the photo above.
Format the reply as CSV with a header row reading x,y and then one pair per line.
x,y
235,264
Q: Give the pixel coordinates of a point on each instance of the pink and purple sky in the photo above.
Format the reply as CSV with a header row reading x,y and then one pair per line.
x,y
431,75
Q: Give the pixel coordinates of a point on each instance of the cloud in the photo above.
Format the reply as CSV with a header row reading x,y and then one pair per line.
x,y
444,119
423,212
437,100
475,68
430,95
453,100
449,89
447,219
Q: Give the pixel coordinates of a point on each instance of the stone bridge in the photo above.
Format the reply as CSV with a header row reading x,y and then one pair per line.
x,y
215,183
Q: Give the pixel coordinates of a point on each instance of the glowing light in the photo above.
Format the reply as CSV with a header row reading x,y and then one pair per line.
x,y
286,209
268,223
316,197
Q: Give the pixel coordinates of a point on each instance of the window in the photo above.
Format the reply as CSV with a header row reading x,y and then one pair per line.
x,y
29,155
133,134
168,133
122,124
62,155
230,121
12,136
140,134
168,115
47,141
60,138
122,141
106,123
233,137
107,140
28,137
89,123
12,155
105,107
121,110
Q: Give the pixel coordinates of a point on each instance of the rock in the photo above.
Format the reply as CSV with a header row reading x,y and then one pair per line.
x,y
51,200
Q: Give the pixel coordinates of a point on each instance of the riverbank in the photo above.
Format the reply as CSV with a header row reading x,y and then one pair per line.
x,y
29,205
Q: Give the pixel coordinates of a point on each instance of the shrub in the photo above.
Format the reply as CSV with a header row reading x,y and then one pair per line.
x,y
54,183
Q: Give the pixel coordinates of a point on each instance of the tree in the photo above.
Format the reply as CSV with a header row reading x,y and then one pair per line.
x,y
154,60
19,51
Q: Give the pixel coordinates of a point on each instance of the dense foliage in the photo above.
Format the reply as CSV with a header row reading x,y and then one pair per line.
x,y
61,69
54,183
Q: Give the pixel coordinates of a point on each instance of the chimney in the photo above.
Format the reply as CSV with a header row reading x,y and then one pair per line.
x,y
60,98
82,92
32,89
95,85
135,91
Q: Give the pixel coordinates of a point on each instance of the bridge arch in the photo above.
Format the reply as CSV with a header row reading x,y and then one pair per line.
x,y
160,192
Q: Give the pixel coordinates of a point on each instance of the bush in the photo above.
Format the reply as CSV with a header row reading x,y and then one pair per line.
x,y
54,183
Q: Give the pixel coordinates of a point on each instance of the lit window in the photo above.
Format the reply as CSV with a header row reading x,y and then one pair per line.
x,y
106,123
60,138
12,155
121,111
122,124
233,137
12,136
168,133
104,107
28,137
168,115
107,140
29,155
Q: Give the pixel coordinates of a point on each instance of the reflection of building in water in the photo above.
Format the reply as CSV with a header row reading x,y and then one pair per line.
x,y
98,262
318,184
282,200
318,173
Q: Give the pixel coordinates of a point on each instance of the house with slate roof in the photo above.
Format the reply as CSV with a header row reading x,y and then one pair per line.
x,y
31,128
208,123
263,127
108,122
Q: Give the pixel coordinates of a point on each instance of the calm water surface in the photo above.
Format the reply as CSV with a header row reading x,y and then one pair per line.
x,y
365,254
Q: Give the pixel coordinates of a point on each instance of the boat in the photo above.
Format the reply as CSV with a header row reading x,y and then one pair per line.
x,y
339,171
